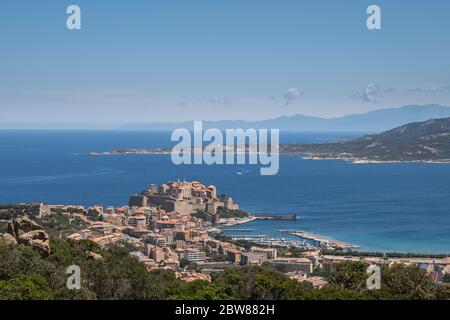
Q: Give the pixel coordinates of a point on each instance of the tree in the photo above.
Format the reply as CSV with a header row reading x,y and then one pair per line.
x,y
333,292
350,275
192,266
259,283
406,282
184,263
442,292
446,278
25,288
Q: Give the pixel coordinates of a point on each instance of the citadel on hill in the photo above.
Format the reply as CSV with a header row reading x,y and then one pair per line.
x,y
185,198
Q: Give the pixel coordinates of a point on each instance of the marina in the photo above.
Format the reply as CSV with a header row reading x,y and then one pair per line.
x,y
265,241
320,241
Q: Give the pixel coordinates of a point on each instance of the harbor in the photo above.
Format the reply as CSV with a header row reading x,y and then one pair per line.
x,y
304,239
264,241
320,241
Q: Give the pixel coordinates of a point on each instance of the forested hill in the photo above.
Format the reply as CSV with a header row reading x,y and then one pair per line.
x,y
420,141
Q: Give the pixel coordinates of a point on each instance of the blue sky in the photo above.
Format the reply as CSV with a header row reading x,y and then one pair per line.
x,y
171,60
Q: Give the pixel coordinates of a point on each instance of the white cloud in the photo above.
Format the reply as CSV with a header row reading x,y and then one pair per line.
x,y
292,94
372,93
218,100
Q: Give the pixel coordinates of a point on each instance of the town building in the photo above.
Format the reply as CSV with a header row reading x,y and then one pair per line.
x,y
156,253
293,264
271,253
192,276
194,255
253,258
234,255
137,221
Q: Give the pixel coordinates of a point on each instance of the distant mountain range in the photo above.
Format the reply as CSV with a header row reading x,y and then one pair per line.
x,y
419,141
374,121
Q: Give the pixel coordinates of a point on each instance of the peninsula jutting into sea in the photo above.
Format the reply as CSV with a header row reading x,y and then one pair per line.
x,y
426,141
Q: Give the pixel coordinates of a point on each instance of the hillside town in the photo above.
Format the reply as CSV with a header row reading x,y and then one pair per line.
x,y
177,226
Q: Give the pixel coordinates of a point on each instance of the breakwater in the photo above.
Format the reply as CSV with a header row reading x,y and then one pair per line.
x,y
275,217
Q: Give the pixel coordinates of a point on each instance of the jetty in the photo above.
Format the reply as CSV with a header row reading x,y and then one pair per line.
x,y
264,216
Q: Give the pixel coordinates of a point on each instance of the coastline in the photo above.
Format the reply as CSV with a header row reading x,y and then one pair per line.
x,y
239,222
309,157
370,161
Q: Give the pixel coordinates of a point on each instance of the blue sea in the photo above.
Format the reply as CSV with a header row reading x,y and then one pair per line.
x,y
386,207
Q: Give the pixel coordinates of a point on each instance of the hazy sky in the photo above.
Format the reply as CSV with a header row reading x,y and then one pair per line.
x,y
167,60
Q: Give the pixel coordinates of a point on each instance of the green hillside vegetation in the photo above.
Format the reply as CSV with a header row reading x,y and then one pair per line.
x,y
419,141
8,212
58,224
227,213
24,274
